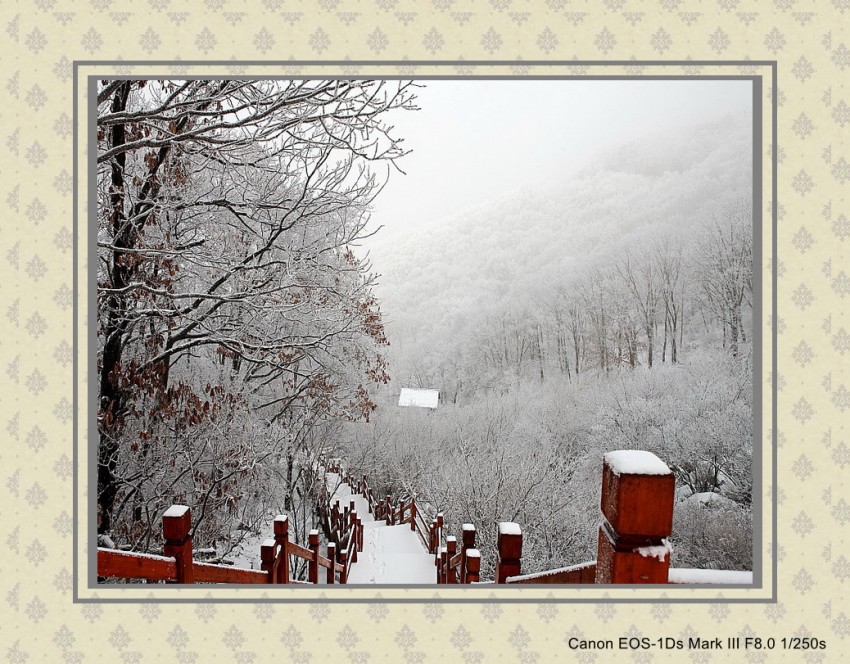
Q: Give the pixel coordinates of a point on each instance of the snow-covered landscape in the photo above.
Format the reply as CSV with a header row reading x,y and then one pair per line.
x,y
468,309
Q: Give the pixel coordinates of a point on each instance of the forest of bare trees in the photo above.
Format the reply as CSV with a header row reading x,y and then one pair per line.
x,y
650,348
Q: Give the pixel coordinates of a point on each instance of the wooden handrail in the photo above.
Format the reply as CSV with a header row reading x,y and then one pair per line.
x,y
178,566
583,573
209,573
127,565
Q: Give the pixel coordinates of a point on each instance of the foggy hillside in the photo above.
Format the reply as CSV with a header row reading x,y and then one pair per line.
x,y
486,259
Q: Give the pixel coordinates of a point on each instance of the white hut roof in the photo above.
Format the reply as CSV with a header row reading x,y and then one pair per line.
x,y
420,398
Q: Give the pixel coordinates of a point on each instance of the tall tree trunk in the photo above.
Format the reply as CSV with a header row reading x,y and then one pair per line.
x,y
112,406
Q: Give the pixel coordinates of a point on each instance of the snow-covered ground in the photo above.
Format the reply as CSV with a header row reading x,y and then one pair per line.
x,y
392,554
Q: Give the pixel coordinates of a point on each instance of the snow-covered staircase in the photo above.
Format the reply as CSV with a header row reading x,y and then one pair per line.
x,y
391,554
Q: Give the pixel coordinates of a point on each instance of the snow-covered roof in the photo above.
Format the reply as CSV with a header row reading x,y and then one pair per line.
x,y
420,398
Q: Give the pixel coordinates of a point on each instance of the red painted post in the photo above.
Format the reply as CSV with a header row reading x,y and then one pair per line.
x,y
638,490
509,543
267,557
313,571
444,556
467,543
413,515
432,537
359,533
332,557
473,566
176,529
389,511
353,538
451,550
281,539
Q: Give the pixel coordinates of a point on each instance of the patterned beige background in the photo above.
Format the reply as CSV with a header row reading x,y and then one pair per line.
x,y
41,40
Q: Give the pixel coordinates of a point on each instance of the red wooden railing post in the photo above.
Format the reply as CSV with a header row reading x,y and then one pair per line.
x,y
413,515
509,543
359,533
281,539
473,566
353,538
176,529
451,550
442,564
313,571
389,511
267,559
467,543
637,504
332,557
343,559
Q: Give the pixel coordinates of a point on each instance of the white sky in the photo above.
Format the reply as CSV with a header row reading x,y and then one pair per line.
x,y
476,140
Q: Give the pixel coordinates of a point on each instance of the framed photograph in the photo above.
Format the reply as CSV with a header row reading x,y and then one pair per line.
x,y
311,367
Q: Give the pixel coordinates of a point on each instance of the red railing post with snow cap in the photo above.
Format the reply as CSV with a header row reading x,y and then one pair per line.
x,y
413,515
176,529
313,570
442,565
358,533
510,551
451,550
332,557
473,566
343,559
637,505
354,536
281,539
267,558
467,543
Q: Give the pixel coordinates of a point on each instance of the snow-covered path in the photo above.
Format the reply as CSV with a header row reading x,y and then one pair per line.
x,y
391,554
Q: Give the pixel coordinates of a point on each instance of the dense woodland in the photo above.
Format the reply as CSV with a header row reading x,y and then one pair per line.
x,y
243,330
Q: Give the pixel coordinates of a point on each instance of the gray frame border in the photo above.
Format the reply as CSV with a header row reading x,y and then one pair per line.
x,y
758,369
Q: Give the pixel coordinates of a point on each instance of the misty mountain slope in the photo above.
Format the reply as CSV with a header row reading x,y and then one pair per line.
x,y
439,278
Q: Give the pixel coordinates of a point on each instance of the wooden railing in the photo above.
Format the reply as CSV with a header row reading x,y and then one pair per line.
x,y
636,502
637,514
455,566
637,499
177,565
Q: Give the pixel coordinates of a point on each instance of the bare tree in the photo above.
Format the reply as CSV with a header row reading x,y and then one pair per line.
x,y
668,265
725,265
227,288
641,281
